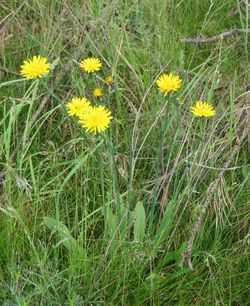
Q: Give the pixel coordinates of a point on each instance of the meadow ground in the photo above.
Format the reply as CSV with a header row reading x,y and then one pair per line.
x,y
104,219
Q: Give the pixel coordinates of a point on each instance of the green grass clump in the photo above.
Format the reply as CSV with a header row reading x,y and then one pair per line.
x,y
104,220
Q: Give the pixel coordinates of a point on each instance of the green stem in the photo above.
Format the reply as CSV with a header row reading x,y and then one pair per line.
x,y
72,172
27,127
11,82
168,124
203,124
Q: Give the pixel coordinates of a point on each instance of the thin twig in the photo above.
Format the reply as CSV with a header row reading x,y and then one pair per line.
x,y
213,168
203,40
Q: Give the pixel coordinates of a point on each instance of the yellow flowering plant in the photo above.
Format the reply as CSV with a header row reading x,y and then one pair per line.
x,y
97,93
90,65
34,68
168,83
96,120
202,109
77,106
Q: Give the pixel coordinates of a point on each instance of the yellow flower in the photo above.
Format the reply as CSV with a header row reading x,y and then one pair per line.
x,y
168,82
180,101
90,64
109,79
37,67
77,106
97,93
203,109
96,119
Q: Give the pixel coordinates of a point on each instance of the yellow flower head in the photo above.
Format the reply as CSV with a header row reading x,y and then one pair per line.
x,y
77,106
96,119
97,93
180,101
37,67
91,64
203,109
168,82
109,79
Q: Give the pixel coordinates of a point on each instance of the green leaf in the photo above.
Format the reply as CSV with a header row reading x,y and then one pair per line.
x,y
111,223
111,228
122,218
63,232
12,82
166,222
154,281
78,255
246,173
139,222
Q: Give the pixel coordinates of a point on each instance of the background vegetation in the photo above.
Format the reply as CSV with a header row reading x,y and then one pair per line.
x,y
87,221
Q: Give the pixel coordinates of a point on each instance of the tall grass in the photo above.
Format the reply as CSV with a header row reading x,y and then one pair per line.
x,y
104,221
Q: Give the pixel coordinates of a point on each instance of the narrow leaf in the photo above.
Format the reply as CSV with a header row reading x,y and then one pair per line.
x,y
139,222
166,222
77,252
